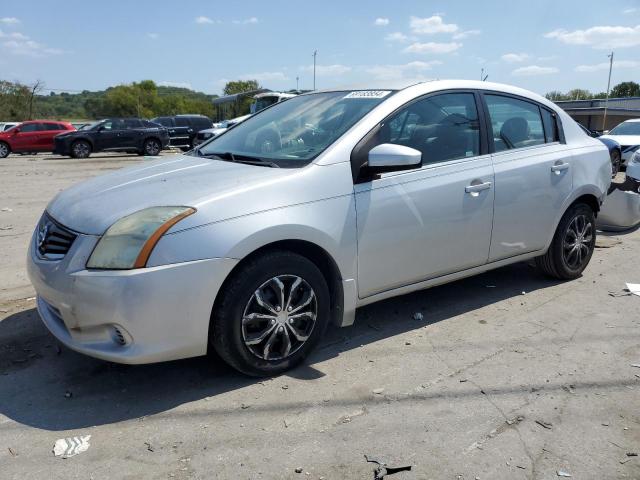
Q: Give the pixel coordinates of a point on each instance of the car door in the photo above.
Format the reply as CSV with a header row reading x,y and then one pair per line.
x,y
533,174
182,132
132,135
47,134
26,140
424,223
106,137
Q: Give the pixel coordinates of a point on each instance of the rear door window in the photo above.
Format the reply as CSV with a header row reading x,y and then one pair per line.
x,y
132,123
550,124
51,126
182,122
516,123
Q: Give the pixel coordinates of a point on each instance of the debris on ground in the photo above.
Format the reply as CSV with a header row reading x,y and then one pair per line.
x,y
69,447
418,316
377,391
606,242
632,454
299,470
13,452
383,470
637,365
149,446
285,387
544,424
561,473
6,209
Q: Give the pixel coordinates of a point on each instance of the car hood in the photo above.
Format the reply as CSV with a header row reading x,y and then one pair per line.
x,y
624,139
211,186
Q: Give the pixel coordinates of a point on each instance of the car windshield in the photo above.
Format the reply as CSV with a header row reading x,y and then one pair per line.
x,y
626,128
292,133
90,126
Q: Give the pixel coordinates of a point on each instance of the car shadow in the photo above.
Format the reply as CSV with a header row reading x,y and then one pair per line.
x,y
47,386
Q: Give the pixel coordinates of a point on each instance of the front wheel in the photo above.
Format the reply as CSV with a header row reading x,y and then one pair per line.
x,y
152,147
572,245
80,149
4,150
271,314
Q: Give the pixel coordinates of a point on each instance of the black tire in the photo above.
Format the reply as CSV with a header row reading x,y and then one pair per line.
x,y
616,162
565,259
151,147
226,333
80,149
5,150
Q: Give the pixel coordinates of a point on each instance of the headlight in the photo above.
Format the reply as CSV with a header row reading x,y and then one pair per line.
x,y
128,243
635,158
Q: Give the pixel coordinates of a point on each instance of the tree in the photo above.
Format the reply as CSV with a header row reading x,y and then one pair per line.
x,y
625,89
240,86
36,88
555,96
578,94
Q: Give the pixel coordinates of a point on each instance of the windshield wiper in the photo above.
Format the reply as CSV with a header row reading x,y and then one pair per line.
x,y
238,158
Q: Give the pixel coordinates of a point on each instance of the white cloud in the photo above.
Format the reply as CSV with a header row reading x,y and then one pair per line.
x,y
603,37
398,72
605,66
19,44
328,70
246,21
202,20
533,70
153,36
514,57
265,76
432,47
466,34
396,37
431,25
166,83
381,22
629,10
9,20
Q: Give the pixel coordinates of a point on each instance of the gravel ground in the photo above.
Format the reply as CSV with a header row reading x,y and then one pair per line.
x,y
506,375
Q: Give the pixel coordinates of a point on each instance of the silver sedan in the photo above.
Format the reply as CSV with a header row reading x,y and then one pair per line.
x,y
261,237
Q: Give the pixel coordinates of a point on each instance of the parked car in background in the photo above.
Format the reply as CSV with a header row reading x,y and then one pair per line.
x,y
222,127
7,125
31,137
615,150
183,128
266,99
361,195
627,134
132,135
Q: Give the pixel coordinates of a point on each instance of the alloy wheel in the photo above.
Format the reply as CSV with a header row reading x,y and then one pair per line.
x,y
577,242
152,148
279,317
4,150
81,150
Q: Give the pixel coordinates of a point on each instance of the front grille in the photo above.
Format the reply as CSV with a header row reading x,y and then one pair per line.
x,y
53,241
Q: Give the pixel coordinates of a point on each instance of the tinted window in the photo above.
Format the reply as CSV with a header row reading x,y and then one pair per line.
x,y
550,126
131,123
52,126
201,123
516,123
30,127
443,127
149,124
164,121
182,122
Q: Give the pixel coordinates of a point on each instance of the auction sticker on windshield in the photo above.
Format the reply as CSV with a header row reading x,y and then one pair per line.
x,y
368,94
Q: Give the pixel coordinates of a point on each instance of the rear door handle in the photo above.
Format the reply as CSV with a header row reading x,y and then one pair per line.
x,y
478,187
560,167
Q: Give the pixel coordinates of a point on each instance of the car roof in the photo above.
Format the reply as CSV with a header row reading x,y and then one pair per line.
x,y
632,120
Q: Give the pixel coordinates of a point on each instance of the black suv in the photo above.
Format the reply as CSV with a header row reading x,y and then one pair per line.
x,y
184,128
131,135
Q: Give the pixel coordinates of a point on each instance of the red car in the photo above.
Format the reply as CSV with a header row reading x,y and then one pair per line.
x,y
31,136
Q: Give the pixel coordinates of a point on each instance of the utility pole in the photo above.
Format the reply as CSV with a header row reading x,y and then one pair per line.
x,y
315,53
483,77
297,83
606,102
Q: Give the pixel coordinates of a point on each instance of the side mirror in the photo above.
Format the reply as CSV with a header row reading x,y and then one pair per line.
x,y
389,157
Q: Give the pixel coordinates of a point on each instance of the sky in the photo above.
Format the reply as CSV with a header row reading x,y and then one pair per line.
x,y
539,45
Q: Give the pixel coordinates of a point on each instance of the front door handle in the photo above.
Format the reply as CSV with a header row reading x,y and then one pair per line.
x,y
560,167
477,187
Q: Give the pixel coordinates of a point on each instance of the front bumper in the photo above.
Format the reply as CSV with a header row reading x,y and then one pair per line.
x,y
127,316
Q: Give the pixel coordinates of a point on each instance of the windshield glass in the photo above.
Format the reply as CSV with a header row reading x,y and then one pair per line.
x,y
264,102
292,133
90,126
626,128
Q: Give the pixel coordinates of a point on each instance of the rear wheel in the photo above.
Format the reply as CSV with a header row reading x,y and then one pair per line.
x,y
80,149
5,150
572,245
271,314
616,162
151,147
